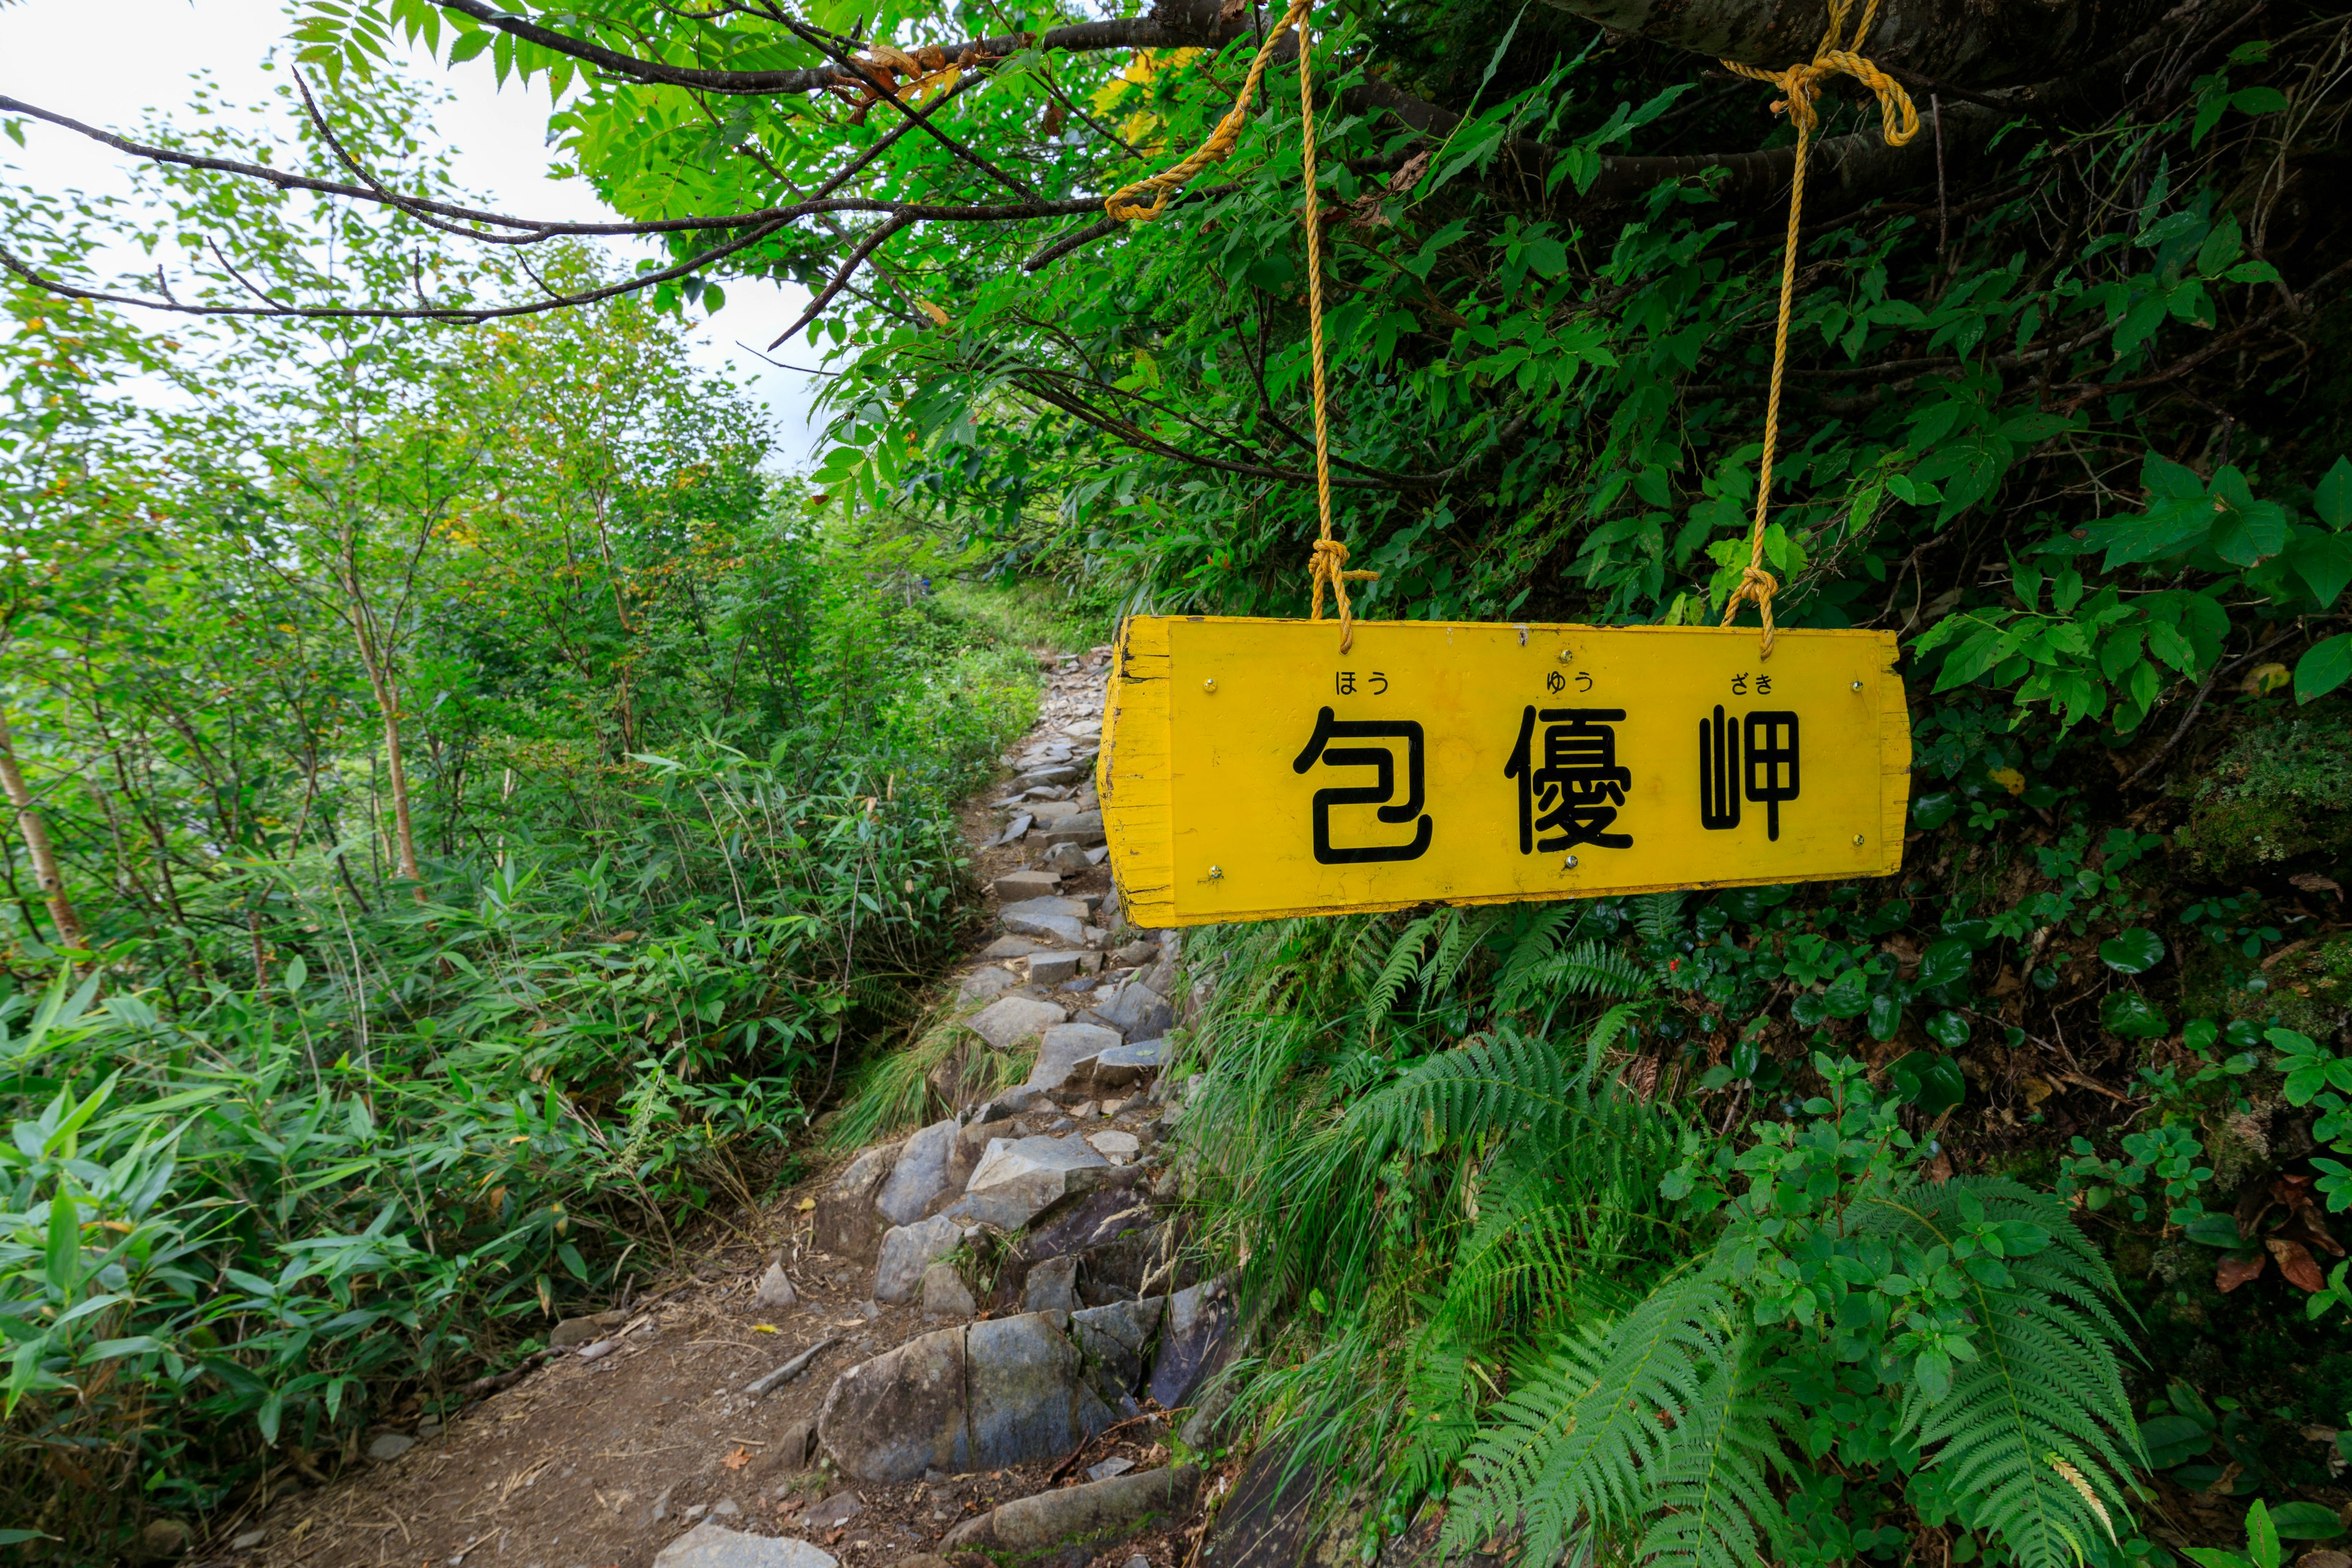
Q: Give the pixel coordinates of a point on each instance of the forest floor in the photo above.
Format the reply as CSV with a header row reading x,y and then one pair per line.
x,y
605,1460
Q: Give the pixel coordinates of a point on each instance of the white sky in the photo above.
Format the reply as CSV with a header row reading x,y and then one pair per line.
x,y
103,62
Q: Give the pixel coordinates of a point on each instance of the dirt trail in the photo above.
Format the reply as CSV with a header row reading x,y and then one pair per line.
x,y
603,1460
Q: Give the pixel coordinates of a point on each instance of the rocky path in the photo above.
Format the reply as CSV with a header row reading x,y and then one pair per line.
x,y
972,1338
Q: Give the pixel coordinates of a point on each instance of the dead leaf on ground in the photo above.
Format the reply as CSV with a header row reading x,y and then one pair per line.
x,y
2236,1269
2037,1090
2313,882
2295,1261
737,1457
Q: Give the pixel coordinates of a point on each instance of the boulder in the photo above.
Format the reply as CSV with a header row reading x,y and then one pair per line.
x,y
907,1250
986,985
1115,1339
945,1295
1078,1520
1030,1395
1011,1021
1138,1012
1052,1287
1119,1067
1017,1180
1090,1219
708,1545
1064,1048
1192,1342
890,1419
1014,886
919,1176
846,1223
1080,828
992,1393
1053,968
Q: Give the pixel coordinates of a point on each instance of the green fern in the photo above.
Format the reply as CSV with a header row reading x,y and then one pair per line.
x,y
2044,1386
1666,1431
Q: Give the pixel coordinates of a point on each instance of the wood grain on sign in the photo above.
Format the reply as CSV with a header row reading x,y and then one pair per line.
x,y
1249,769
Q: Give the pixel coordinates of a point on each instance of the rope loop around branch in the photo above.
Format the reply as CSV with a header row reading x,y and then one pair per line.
x,y
1800,85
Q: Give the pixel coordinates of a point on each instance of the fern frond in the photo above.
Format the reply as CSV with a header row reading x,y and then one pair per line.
x,y
2038,1429
1586,1436
1714,1502
1402,963
1658,916
1455,948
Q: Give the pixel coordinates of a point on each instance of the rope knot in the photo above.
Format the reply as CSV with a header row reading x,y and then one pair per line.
x,y
1328,563
1757,586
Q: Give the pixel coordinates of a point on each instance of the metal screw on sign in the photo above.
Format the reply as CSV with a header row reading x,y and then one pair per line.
x,y
1858,686
1571,864
1208,685
1216,872
1567,654
1857,841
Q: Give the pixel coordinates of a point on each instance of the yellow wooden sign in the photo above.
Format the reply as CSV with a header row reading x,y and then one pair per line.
x,y
1249,770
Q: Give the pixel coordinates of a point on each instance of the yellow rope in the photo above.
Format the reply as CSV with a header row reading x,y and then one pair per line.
x,y
1327,564
1800,85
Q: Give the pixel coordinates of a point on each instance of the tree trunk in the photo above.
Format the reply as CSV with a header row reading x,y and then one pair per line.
x,y
1975,44
37,843
387,702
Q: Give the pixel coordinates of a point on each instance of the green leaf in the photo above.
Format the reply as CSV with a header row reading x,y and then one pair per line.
x,y
2323,667
2174,1440
62,1262
2261,1536
2333,498
2134,952
2213,1230
1933,1083
1946,962
2129,1014
2304,1521
2324,561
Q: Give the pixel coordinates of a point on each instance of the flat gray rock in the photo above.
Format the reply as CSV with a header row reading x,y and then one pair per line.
x,y
986,983
1009,947
910,1249
1116,1146
1063,1048
945,1295
919,1176
1017,1181
1019,887
1123,1065
573,1332
1051,904
1029,1393
1138,1012
1011,1021
1052,813
1082,828
1013,831
1061,773
1053,968
710,1545
390,1446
